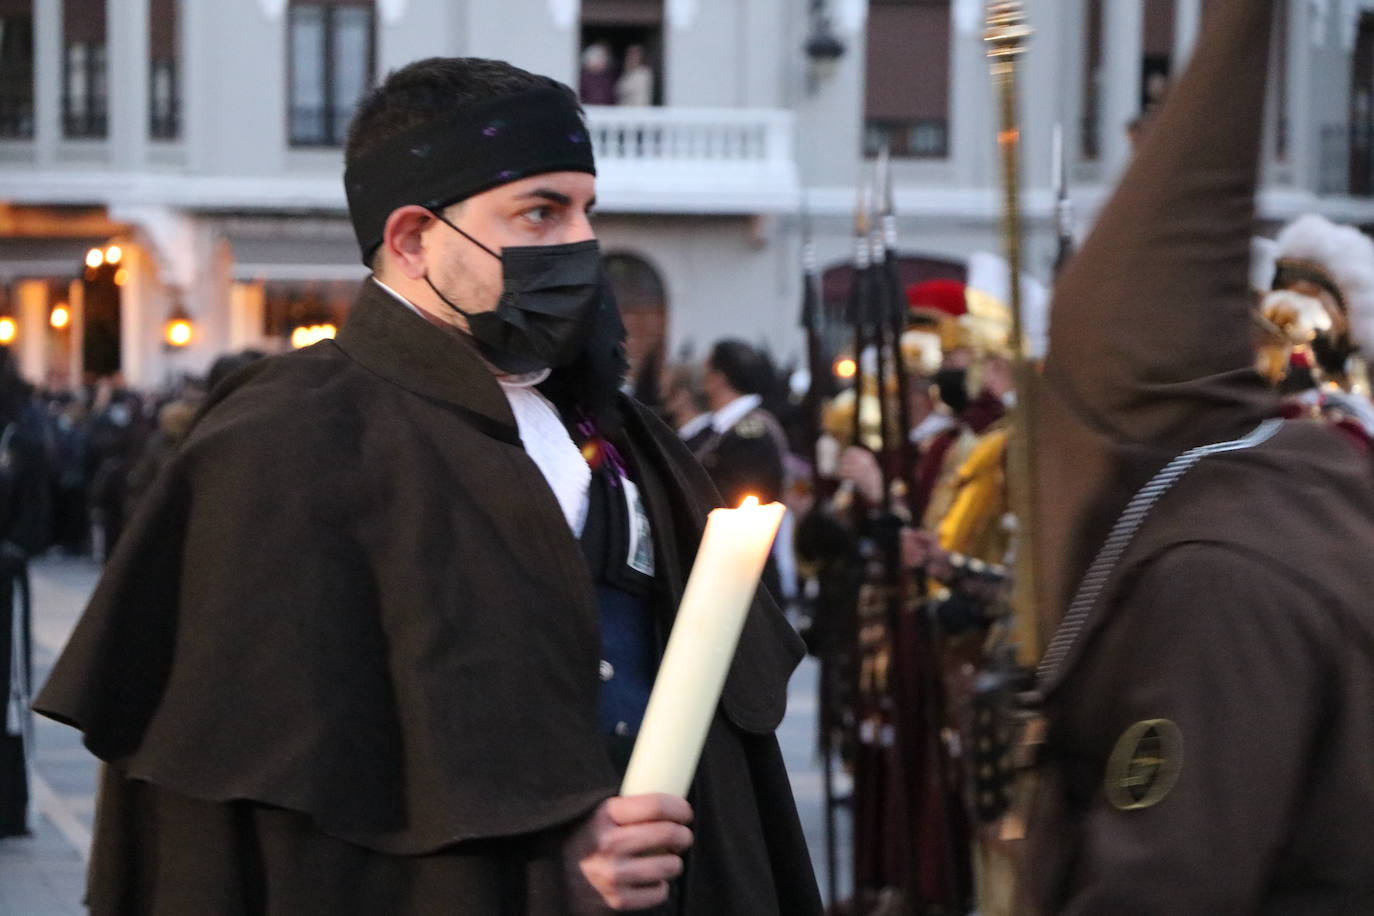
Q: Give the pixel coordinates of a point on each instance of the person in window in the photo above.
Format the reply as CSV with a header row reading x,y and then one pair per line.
x,y
636,83
382,634
596,85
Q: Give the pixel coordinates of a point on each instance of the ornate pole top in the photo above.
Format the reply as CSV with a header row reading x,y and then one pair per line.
x,y
1008,33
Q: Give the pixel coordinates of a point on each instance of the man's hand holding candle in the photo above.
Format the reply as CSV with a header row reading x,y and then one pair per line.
x,y
623,856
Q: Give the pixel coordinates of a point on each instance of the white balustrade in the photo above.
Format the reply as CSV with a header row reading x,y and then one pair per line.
x,y
705,160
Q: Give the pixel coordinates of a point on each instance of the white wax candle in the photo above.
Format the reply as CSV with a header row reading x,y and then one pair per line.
x,y
701,646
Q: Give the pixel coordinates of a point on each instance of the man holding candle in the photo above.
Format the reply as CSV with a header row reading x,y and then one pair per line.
x,y
382,636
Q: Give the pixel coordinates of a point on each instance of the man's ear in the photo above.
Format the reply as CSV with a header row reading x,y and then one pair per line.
x,y
403,244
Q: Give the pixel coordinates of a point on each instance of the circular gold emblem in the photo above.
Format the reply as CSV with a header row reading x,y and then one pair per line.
x,y
1144,764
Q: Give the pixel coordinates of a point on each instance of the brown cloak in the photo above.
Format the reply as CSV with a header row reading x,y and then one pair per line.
x,y
1231,623
345,658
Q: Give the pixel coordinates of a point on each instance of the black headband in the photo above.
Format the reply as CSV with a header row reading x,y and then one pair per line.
x,y
456,156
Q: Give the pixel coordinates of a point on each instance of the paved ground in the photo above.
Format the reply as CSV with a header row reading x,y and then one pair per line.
x,y
44,875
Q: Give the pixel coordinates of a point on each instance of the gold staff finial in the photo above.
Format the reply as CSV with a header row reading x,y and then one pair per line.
x,y
1008,33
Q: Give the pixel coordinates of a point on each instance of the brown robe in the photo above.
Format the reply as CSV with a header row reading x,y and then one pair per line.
x,y
345,659
1236,617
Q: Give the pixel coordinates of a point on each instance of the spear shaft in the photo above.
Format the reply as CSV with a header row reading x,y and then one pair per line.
x,y
894,311
1007,35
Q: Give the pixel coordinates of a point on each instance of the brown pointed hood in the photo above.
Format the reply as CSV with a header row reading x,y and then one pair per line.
x,y
1150,351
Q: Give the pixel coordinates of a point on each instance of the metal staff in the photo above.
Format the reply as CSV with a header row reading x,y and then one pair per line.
x,y
883,346
894,310
1007,35
859,304
813,322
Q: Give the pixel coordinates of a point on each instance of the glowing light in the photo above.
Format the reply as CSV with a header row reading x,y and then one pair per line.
x,y
179,332
61,316
121,276
305,336
750,502
8,331
113,254
846,368
94,258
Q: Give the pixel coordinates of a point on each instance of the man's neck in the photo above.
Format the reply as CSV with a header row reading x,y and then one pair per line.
x,y
526,380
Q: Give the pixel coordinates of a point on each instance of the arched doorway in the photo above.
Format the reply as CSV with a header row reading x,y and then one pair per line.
x,y
643,304
102,325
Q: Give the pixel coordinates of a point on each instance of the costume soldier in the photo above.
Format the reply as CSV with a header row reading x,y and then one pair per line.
x,y
1210,690
1322,301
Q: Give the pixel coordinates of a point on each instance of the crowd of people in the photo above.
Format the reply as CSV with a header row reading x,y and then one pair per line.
x,y
100,447
383,631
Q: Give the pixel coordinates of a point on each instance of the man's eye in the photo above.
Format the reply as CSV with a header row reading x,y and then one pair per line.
x,y
539,215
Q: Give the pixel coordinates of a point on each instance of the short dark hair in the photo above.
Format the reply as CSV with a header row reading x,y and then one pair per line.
x,y
431,88
744,368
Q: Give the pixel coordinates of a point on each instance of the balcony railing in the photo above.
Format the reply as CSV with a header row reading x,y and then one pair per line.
x,y
694,159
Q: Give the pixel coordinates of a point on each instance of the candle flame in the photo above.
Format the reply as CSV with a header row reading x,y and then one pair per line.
x,y
750,502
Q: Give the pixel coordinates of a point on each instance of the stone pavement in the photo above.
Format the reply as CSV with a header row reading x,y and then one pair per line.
x,y
44,875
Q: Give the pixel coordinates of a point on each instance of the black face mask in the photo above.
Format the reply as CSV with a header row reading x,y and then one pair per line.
x,y
549,299
953,387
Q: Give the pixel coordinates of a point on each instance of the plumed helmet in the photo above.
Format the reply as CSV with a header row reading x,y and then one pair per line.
x,y
1340,259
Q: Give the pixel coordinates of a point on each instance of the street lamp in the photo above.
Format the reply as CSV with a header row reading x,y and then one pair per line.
x,y
823,48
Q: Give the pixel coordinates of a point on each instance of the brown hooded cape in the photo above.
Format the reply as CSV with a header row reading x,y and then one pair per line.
x,y
345,659
1237,607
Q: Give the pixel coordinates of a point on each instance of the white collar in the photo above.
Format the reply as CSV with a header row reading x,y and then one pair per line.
x,y
552,450
724,419
693,426
935,422
399,298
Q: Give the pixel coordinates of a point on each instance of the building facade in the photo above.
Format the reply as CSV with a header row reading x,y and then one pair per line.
x,y
181,158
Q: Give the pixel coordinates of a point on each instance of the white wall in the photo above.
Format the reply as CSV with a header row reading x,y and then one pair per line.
x,y
236,88
523,33
719,280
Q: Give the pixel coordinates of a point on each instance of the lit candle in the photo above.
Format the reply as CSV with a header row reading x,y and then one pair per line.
x,y
701,646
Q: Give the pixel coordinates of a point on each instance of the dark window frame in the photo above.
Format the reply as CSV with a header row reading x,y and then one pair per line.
x,y
16,108
332,131
166,125
906,137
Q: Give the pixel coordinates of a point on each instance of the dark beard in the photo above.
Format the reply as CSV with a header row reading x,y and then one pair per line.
x,y
589,385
